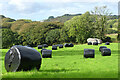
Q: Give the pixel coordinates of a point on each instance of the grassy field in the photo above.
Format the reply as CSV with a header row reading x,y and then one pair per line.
x,y
70,63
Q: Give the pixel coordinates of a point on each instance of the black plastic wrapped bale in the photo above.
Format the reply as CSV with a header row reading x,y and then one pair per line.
x,y
45,45
106,52
54,47
57,45
60,46
71,45
107,43
100,48
89,43
66,45
40,46
89,53
22,58
95,43
47,54
42,50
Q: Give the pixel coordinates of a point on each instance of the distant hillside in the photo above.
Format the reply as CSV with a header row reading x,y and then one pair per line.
x,y
6,22
66,17
62,19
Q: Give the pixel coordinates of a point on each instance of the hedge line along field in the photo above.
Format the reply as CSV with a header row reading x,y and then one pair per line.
x,y
70,63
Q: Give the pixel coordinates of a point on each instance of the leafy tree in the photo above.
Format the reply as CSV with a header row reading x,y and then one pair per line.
x,y
53,36
51,17
101,16
64,36
9,38
36,32
118,37
80,27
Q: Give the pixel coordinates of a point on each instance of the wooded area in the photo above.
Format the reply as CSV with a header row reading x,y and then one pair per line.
x,y
67,28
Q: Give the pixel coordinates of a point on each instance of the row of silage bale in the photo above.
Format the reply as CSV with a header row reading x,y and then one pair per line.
x,y
90,53
105,51
54,47
95,41
42,46
44,52
19,57
68,45
48,53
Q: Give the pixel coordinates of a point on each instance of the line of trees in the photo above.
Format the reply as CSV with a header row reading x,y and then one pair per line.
x,y
75,30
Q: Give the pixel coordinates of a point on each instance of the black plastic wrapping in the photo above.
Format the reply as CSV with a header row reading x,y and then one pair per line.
x,y
106,52
66,45
107,43
60,46
47,54
42,50
101,47
71,45
22,58
54,47
40,46
89,53
45,45
95,43
89,43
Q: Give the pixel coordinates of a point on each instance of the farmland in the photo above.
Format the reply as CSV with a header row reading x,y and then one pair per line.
x,y
70,63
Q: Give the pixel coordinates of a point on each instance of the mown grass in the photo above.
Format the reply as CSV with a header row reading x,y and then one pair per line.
x,y
70,63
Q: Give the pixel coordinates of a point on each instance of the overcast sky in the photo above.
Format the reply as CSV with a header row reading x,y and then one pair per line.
x,y
37,10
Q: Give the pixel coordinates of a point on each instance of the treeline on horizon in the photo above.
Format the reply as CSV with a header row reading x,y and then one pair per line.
x,y
63,29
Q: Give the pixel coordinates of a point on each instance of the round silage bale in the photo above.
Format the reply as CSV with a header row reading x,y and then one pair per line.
x,y
106,52
42,50
22,58
101,47
71,45
45,45
95,43
60,46
89,53
66,45
107,43
89,43
47,54
54,47
40,46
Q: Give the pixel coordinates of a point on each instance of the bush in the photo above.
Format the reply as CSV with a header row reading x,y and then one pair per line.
x,y
106,39
53,36
9,38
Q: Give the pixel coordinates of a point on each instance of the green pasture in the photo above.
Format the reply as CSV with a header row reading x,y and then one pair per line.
x,y
70,63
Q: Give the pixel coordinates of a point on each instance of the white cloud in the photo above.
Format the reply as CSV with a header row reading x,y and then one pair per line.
x,y
19,4
36,9
77,1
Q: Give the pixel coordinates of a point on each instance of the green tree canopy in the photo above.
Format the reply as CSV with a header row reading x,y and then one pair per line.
x,y
80,27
